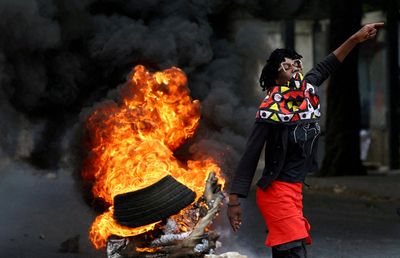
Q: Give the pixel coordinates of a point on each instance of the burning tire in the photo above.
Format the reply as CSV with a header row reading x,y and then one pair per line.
x,y
153,203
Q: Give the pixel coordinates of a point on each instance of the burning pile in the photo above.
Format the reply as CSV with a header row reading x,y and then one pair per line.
x,y
131,147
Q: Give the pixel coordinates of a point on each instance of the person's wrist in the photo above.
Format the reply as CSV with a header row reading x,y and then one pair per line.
x,y
355,39
230,205
233,200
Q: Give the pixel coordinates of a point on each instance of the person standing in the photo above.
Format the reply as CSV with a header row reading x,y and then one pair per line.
x,y
287,125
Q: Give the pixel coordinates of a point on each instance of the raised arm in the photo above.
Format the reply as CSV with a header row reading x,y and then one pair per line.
x,y
365,33
317,75
327,66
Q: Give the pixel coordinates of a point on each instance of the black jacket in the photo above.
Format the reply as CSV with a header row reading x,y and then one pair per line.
x,y
276,136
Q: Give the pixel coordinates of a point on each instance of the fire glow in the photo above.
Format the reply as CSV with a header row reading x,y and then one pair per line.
x,y
132,143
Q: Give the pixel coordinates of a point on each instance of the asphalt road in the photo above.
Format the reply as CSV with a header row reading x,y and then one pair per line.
x,y
343,226
40,210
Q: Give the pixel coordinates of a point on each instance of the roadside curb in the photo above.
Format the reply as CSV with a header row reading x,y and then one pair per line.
x,y
375,186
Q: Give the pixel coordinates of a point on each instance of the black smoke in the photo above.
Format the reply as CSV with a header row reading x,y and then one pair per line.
x,y
58,58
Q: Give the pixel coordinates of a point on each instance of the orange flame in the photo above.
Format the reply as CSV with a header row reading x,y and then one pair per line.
x,y
132,144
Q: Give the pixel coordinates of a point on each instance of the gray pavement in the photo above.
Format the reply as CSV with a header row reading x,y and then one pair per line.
x,y
380,185
350,217
40,210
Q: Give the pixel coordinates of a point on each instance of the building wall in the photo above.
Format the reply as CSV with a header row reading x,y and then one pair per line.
x,y
312,42
373,87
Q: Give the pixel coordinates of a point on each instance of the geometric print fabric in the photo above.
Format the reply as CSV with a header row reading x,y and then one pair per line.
x,y
292,103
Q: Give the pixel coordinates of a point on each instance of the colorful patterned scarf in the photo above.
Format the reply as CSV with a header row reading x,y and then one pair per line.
x,y
295,102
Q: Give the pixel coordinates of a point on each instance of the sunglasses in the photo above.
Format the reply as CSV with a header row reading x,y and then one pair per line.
x,y
287,65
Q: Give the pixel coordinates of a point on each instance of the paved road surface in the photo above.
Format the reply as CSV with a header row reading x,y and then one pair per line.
x,y
342,227
39,212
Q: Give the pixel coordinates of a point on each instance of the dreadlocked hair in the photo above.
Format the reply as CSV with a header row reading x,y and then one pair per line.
x,y
270,71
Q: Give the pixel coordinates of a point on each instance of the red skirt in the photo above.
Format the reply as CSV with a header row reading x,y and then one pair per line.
x,y
281,205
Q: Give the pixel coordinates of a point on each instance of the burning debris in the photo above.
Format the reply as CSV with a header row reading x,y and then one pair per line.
x,y
173,240
158,201
132,168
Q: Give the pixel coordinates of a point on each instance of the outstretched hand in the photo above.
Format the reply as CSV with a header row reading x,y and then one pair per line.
x,y
368,31
365,33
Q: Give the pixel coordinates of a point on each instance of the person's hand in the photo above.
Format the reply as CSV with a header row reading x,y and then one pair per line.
x,y
235,217
365,33
234,212
368,32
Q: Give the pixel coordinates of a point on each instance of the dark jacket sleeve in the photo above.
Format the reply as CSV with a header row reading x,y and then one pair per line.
x,y
247,166
322,70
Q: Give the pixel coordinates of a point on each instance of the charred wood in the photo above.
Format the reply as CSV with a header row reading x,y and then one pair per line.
x,y
195,242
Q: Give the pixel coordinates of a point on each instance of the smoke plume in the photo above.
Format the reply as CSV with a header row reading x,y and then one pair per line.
x,y
60,59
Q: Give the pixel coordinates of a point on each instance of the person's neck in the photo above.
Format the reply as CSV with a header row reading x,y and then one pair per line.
x,y
281,83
